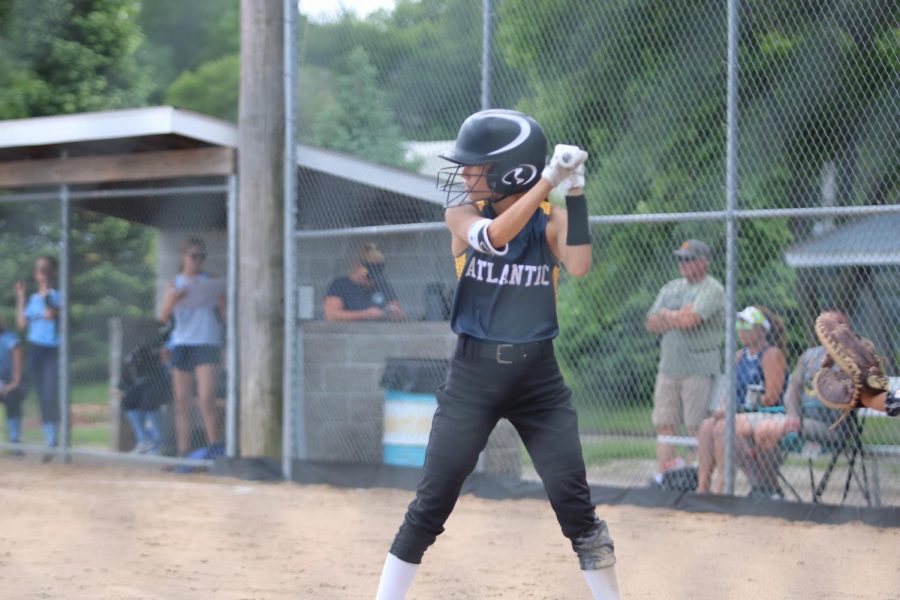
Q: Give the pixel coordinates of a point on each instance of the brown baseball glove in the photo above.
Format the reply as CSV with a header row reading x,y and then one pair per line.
x,y
861,369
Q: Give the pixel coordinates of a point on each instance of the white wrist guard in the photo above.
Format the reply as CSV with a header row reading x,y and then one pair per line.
x,y
564,162
478,238
575,180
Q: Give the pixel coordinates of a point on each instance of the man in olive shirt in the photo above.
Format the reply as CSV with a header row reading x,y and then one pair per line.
x,y
689,313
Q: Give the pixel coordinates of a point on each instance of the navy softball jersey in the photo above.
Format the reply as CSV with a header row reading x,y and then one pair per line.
x,y
509,298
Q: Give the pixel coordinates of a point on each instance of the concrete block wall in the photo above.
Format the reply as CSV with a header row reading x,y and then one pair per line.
x,y
343,365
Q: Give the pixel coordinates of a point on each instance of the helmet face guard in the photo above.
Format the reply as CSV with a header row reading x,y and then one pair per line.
x,y
451,182
510,144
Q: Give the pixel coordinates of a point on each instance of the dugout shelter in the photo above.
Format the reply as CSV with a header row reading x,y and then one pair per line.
x,y
173,174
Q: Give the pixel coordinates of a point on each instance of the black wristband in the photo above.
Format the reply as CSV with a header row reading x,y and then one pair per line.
x,y
579,233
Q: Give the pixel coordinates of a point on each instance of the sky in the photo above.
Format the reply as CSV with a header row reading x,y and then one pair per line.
x,y
319,9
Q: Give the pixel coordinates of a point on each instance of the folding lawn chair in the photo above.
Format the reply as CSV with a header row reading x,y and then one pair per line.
x,y
848,446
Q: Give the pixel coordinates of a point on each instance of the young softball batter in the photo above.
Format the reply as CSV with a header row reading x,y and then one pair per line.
x,y
509,244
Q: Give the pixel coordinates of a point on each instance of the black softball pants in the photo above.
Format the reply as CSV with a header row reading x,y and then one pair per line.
x,y
482,387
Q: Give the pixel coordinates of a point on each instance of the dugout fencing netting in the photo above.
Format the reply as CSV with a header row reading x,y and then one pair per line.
x,y
795,268
118,246
766,129
129,243
29,229
645,89
818,138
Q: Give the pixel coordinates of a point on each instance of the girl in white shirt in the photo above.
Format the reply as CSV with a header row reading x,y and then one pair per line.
x,y
196,348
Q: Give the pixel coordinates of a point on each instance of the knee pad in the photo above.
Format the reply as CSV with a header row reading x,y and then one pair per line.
x,y
595,548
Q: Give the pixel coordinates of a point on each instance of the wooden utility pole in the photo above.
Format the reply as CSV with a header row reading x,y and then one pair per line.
x,y
261,236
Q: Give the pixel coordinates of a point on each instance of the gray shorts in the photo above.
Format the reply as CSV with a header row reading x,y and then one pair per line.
x,y
681,399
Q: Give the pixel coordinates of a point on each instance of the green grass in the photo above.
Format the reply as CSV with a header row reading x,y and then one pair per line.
x,y
604,450
619,423
94,432
90,393
624,420
635,420
91,436
881,431
95,436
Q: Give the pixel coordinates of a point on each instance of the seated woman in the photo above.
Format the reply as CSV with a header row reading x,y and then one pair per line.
x,y
761,374
804,413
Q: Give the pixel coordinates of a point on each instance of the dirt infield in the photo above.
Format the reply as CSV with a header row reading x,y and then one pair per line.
x,y
76,532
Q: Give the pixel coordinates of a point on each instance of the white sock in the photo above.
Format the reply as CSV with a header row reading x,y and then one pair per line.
x,y
604,583
396,577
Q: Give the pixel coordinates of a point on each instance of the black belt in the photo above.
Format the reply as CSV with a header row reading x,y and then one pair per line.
x,y
504,354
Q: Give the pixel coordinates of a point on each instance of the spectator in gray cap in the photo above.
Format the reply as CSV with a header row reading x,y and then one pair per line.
x,y
689,314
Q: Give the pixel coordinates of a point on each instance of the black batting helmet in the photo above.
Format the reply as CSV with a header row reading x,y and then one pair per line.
x,y
511,142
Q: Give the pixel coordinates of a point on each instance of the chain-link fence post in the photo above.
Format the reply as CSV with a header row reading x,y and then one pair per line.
x,y
232,409
292,400
65,215
732,187
487,52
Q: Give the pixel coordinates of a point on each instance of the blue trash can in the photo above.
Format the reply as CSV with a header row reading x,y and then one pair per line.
x,y
409,404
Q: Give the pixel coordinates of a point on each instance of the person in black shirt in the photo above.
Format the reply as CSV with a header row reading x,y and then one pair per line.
x,y
509,243
364,294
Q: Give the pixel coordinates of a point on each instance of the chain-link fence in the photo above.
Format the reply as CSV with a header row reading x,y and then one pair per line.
x,y
768,130
775,145
31,229
112,360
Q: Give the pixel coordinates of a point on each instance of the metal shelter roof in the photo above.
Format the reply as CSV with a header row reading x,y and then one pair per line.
x,y
164,128
112,132
868,241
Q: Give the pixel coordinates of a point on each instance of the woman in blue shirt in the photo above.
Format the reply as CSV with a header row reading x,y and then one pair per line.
x,y
196,342
39,316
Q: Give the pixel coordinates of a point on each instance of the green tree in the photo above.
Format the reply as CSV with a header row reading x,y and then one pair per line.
x,y
113,275
642,86
359,120
192,49
211,89
427,54
182,36
67,56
